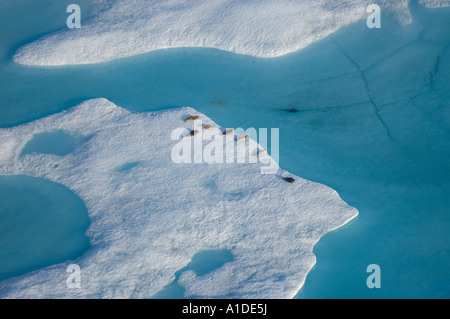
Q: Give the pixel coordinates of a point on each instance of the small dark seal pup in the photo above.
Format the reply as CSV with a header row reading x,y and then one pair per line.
x,y
192,118
229,131
289,180
192,133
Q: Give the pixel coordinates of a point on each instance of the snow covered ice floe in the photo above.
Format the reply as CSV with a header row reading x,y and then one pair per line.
x,y
267,28
150,216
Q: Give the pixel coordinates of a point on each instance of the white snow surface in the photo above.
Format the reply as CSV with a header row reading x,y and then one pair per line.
x,y
260,28
148,221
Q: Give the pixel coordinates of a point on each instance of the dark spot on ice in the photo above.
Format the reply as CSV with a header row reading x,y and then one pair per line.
x,y
228,131
289,180
192,133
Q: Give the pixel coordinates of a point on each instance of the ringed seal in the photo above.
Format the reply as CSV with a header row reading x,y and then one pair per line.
x,y
289,180
192,118
243,137
261,153
227,132
192,133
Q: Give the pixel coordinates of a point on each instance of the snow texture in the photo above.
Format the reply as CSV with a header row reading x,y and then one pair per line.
x,y
267,28
150,216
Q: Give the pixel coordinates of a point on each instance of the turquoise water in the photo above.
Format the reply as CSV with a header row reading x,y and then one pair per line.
x,y
42,223
365,112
